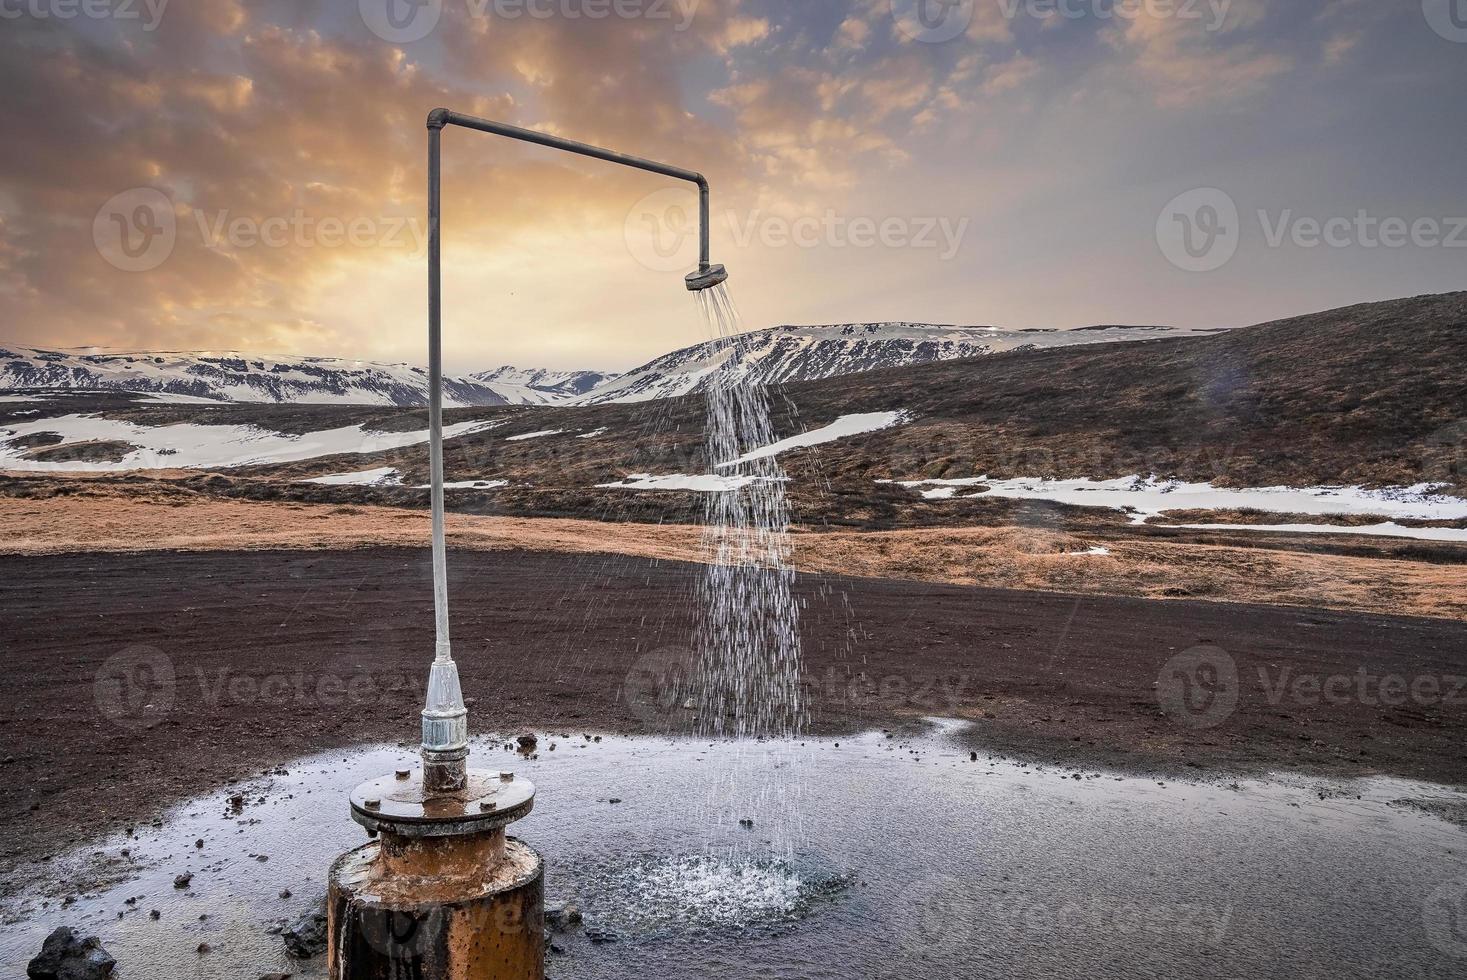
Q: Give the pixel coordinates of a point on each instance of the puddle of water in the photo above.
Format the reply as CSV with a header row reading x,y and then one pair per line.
x,y
908,860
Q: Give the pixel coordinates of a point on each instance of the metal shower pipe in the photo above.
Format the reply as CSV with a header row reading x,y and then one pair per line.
x,y
445,719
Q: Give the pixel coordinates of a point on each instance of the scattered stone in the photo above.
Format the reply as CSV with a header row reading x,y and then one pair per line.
x,y
182,881
972,756
199,843
527,743
285,893
601,935
155,914
203,948
64,957
306,936
560,916
615,799
747,823
275,976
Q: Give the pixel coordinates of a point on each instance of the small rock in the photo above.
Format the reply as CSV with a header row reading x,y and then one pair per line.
x,y
203,948
306,936
560,916
64,957
527,742
614,799
285,893
182,881
601,935
155,914
199,843
747,823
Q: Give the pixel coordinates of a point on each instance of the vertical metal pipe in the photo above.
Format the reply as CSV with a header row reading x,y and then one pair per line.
x,y
442,650
703,243
445,719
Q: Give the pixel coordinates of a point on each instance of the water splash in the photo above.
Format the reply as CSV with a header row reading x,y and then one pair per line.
x,y
747,639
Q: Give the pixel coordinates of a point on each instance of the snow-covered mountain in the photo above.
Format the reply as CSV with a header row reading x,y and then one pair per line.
x,y
776,355
538,386
786,354
233,377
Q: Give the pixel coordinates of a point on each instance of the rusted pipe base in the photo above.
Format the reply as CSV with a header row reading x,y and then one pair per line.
x,y
485,924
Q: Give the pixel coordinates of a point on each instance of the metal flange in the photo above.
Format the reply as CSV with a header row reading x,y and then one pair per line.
x,y
399,804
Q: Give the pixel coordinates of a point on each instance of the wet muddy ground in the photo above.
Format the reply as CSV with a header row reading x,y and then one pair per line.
x,y
869,856
135,681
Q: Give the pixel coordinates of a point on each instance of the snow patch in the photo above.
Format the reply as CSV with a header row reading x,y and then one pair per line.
x,y
380,477
1149,497
1390,529
702,483
469,485
191,445
593,433
842,428
535,435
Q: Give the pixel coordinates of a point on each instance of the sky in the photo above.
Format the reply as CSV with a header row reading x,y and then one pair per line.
x,y
251,174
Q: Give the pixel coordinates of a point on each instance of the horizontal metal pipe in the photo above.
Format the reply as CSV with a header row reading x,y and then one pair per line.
x,y
439,118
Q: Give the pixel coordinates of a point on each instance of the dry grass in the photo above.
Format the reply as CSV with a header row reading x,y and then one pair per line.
x,y
1014,558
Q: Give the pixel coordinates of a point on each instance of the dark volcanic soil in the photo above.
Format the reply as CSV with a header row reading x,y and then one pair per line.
x,y
136,680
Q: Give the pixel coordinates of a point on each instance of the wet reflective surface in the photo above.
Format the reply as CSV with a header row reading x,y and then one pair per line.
x,y
875,857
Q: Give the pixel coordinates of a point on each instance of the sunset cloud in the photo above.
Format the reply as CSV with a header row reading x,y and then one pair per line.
x,y
287,141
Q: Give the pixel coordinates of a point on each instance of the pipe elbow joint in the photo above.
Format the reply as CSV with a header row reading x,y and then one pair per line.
x,y
438,118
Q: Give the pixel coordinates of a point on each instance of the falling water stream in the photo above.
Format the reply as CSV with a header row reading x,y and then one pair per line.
x,y
747,639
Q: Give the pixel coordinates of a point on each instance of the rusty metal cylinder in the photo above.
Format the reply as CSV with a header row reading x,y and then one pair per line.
x,y
442,892
449,908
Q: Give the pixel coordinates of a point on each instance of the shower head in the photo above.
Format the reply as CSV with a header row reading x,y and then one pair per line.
x,y
706,277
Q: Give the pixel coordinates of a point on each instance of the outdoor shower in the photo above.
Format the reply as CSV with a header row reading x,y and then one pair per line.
x,y
443,892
